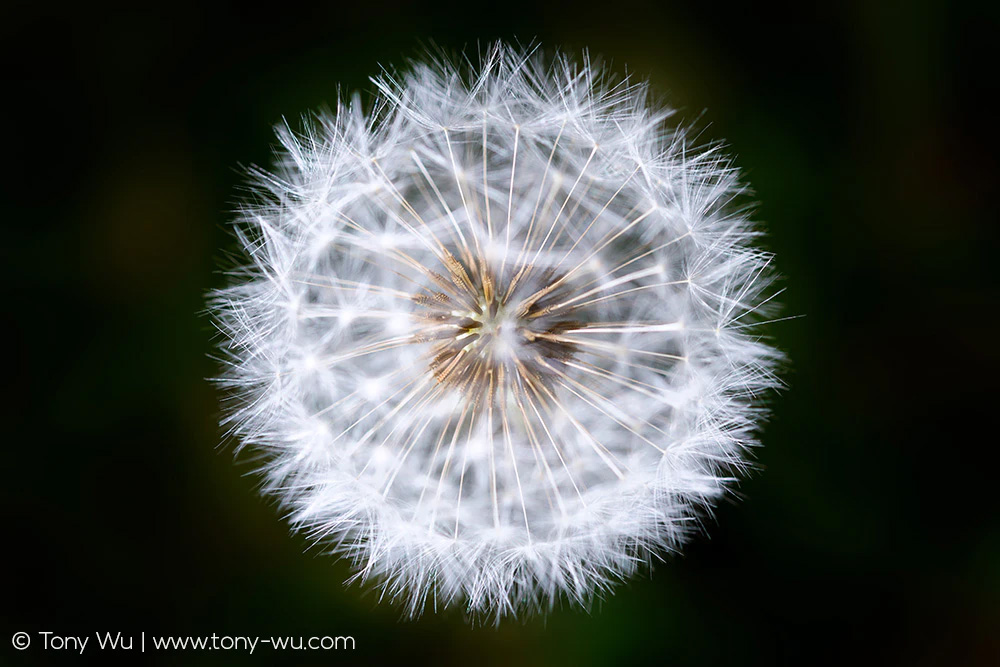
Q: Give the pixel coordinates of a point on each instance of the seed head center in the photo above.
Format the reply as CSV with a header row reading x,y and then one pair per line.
x,y
486,334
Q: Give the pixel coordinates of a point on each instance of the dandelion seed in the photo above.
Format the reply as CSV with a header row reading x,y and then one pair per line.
x,y
492,335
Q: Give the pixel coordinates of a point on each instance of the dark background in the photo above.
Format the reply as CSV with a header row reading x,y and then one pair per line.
x,y
869,536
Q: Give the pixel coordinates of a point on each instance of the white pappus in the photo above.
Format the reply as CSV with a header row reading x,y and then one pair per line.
x,y
493,338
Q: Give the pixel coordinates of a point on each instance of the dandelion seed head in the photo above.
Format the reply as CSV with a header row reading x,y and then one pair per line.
x,y
493,335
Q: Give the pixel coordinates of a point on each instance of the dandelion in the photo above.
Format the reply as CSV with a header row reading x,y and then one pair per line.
x,y
493,341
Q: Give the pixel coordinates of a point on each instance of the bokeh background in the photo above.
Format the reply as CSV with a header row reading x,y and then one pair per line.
x,y
870,534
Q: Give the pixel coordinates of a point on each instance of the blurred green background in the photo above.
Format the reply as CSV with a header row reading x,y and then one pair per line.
x,y
869,536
